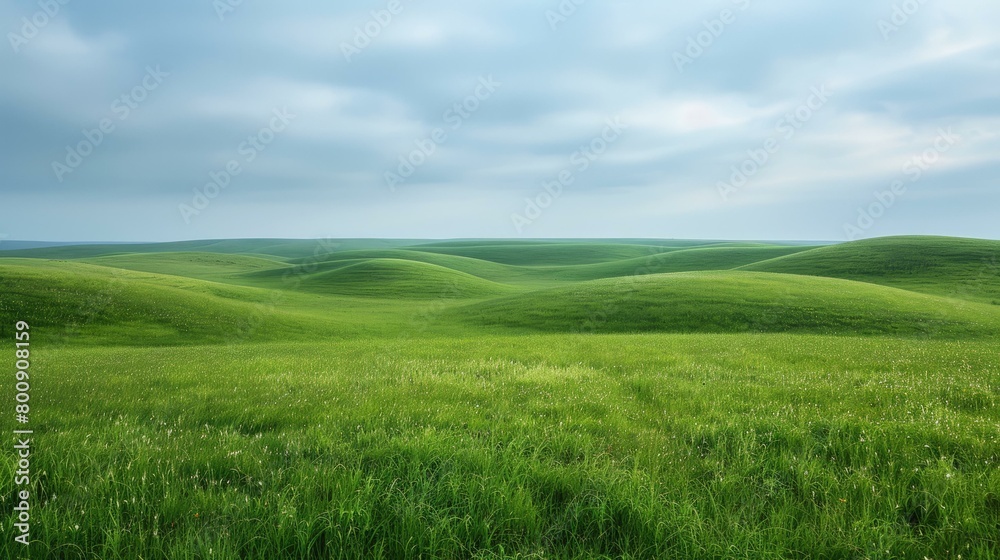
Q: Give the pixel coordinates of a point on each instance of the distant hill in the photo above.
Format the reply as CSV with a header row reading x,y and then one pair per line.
x,y
946,266
392,279
732,302
287,248
120,307
204,290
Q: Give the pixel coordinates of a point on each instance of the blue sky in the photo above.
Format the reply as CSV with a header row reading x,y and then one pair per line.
x,y
735,119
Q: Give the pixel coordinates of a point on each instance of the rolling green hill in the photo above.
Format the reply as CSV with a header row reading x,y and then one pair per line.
x,y
780,289
476,267
654,260
946,266
119,307
547,255
674,243
399,279
286,248
721,302
679,260
206,266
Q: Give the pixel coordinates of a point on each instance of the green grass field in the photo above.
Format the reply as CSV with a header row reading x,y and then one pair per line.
x,y
502,399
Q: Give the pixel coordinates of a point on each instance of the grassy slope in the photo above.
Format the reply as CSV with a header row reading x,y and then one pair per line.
x,y
962,268
679,303
484,269
466,243
581,253
287,248
206,266
400,279
697,447
733,302
654,260
675,243
80,303
545,255
682,260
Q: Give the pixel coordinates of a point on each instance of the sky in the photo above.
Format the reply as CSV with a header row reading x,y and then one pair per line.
x,y
727,119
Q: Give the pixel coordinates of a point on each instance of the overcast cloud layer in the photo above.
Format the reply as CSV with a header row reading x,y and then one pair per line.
x,y
737,119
